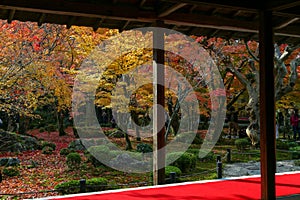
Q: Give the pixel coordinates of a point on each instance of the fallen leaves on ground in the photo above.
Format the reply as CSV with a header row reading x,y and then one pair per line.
x,y
49,170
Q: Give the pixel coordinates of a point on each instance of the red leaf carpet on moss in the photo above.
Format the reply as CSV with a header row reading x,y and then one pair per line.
x,y
240,188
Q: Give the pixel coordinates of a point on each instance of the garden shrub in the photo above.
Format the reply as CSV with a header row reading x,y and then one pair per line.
x,y
47,150
285,145
170,169
295,154
11,171
296,148
211,176
144,148
73,159
297,162
241,144
134,155
186,161
73,186
282,145
41,130
51,128
193,151
103,151
293,144
65,151
209,156
48,144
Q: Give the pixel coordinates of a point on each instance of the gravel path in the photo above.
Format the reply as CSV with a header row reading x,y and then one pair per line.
x,y
253,168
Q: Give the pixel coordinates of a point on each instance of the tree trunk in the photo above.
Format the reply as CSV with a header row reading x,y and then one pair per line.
x,y
138,136
24,122
60,120
253,111
74,129
128,142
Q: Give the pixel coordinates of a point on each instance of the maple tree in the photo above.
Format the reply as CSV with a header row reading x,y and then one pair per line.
x,y
24,45
238,61
38,65
123,85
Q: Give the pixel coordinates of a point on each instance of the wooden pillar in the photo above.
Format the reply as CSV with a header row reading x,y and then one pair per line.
x,y
267,106
158,114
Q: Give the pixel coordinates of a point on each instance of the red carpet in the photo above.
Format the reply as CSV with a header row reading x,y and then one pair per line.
x,y
240,188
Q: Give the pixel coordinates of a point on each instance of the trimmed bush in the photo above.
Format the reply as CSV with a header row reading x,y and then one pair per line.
x,y
48,144
282,145
11,171
295,154
144,148
186,161
170,169
51,128
103,151
73,160
242,144
73,186
285,145
293,145
134,155
41,130
47,150
209,156
65,151
296,148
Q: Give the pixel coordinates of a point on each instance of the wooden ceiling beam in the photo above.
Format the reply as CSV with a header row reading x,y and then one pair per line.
x,y
282,5
211,22
285,24
171,9
247,5
80,9
132,13
193,8
222,23
142,3
285,14
125,25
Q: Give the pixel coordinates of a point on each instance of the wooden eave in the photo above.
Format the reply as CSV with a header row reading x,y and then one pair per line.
x,y
231,18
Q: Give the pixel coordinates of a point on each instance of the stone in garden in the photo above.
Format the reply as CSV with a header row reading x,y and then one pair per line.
x,y
76,145
125,161
9,162
16,143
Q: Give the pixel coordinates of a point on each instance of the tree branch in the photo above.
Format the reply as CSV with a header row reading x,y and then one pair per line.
x,y
251,53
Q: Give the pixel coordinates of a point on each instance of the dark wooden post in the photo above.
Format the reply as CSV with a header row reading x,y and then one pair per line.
x,y
219,169
159,99
82,184
267,106
228,156
172,177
